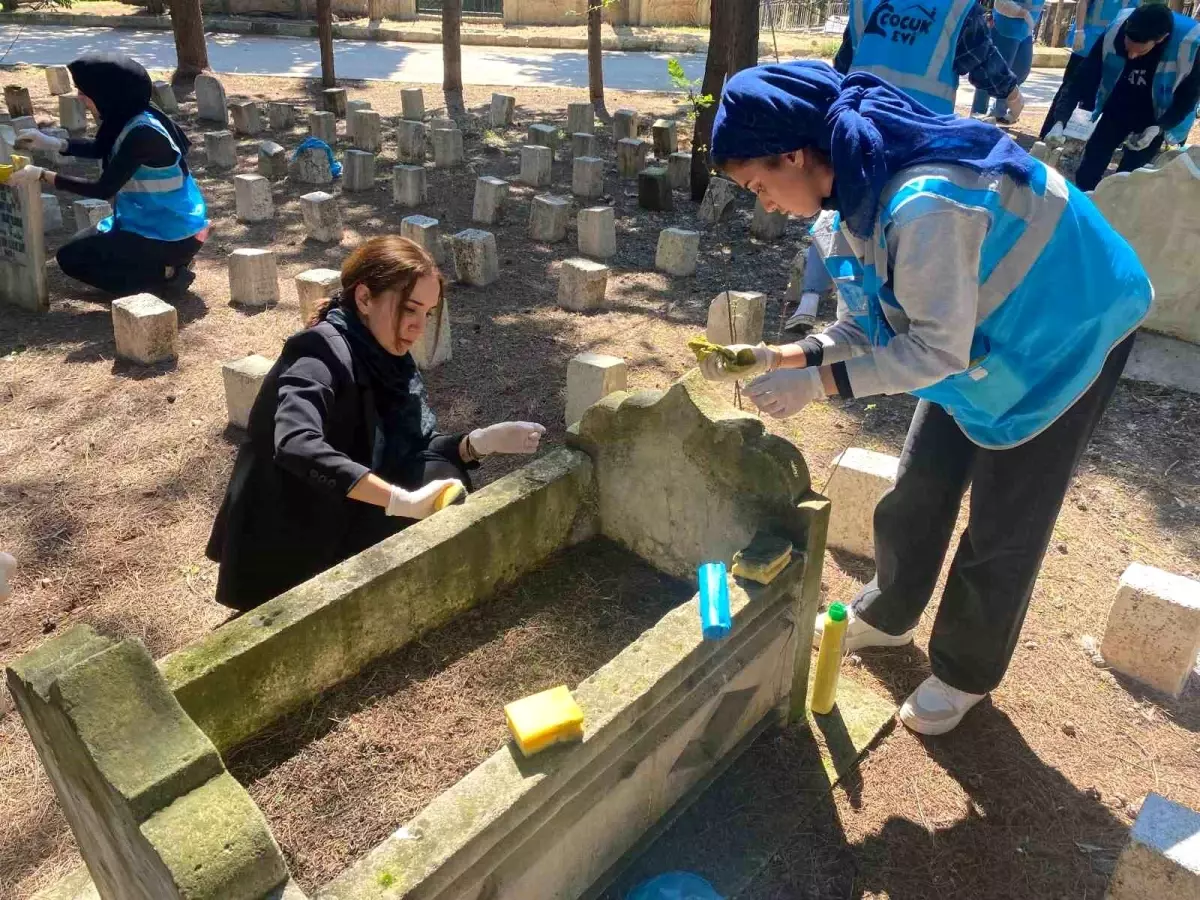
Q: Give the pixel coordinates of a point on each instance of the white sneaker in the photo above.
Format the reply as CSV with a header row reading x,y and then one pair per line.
x,y
935,707
859,634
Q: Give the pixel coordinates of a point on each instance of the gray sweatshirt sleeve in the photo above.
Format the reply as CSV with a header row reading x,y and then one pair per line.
x,y
934,259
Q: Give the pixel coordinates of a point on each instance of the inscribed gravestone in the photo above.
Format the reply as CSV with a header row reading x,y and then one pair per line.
x,y
22,248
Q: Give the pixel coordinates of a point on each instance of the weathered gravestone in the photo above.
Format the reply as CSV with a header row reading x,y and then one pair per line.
x,y
211,105
23,248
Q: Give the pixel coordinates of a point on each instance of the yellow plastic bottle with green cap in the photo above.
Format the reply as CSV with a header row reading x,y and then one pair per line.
x,y
829,660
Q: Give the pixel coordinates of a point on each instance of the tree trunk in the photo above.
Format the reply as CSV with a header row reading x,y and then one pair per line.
x,y
375,11
743,41
452,56
719,39
325,39
156,7
595,64
1056,38
191,53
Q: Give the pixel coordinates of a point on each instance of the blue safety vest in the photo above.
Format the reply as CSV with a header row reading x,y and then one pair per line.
x,y
160,203
1058,289
1096,19
911,45
1017,19
1175,64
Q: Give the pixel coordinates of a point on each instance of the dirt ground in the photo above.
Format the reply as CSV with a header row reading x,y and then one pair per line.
x,y
112,475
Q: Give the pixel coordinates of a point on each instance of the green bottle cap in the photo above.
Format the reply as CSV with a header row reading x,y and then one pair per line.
x,y
837,612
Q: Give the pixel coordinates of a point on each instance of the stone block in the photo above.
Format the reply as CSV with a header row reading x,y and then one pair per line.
x,y
412,104
475,258
72,114
665,138
718,200
537,165
366,130
767,226
678,251
23,123
1040,150
490,194
243,378
311,166
1153,631
548,217
435,346
1154,209
597,228
426,232
145,329
58,80
584,144
164,97
581,118
18,101
252,195
582,284
654,190
447,148
358,171
353,106
253,278
587,177
679,171
281,116
747,310
796,278
408,185
625,124
1162,859
333,100
860,477
442,122
211,105
247,119
501,113
323,126
89,212
590,378
631,156
272,160
543,135
410,143
322,217
314,286
52,217
221,149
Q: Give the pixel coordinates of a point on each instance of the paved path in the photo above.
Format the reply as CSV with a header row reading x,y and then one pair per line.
x,y
414,63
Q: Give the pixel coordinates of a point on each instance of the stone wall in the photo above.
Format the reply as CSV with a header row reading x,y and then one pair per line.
x,y
396,10
516,12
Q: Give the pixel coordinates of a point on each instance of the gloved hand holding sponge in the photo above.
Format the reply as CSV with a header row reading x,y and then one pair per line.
x,y
778,393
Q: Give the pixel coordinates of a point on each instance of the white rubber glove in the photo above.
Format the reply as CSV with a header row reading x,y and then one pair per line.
x,y
712,367
1143,140
1016,105
785,393
31,137
507,437
27,175
418,504
1056,136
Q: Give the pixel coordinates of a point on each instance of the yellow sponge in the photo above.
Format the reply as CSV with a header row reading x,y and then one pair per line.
x,y
539,721
450,495
765,558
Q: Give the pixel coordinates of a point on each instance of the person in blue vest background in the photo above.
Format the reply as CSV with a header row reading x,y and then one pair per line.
x,y
1091,20
160,220
1014,23
1146,82
945,240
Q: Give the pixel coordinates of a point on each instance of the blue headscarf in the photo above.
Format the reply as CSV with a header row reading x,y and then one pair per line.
x,y
868,128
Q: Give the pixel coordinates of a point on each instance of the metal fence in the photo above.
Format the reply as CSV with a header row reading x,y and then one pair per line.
x,y
800,15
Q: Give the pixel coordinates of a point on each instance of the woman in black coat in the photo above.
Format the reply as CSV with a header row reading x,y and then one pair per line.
x,y
343,449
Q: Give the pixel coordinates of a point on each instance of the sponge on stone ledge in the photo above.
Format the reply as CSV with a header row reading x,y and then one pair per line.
x,y
542,720
764,559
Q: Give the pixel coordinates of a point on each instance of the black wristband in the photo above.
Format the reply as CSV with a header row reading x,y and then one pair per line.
x,y
814,351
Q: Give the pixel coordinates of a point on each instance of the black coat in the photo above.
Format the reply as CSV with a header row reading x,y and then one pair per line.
x,y
286,516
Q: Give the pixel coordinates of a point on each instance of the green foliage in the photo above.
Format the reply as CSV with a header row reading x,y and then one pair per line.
x,y
681,82
386,879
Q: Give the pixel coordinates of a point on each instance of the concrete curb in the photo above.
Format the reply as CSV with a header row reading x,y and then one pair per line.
x,y
1043,57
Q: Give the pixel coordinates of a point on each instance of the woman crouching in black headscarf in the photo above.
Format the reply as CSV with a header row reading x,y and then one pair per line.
x,y
160,220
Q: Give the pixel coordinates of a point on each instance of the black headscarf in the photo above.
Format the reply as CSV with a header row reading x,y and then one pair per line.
x,y
121,89
407,422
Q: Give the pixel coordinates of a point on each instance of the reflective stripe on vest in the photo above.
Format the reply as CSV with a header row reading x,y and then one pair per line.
x,y
1098,16
898,48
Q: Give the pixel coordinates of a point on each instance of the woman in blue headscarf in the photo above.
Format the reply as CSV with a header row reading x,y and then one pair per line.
x,y
972,276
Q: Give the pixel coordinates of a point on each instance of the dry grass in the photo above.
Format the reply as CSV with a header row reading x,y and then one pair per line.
x,y
112,475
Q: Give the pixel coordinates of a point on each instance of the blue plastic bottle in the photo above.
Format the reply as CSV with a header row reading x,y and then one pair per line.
x,y
715,621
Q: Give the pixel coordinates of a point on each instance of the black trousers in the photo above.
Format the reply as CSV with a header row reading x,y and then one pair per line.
x,y
1110,132
1015,498
1063,96
123,263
